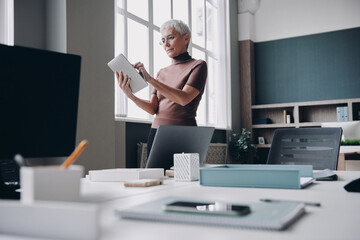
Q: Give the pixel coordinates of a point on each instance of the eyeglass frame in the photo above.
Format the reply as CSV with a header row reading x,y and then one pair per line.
x,y
168,38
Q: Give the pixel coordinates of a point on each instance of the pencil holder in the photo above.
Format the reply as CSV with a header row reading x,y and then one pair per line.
x,y
49,183
186,167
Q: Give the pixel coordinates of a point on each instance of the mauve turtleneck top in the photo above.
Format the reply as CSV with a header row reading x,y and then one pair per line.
x,y
184,70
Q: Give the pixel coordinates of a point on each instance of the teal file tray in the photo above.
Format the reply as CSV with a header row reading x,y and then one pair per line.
x,y
262,176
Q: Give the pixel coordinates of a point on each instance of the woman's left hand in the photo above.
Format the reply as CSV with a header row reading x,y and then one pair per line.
x,y
140,67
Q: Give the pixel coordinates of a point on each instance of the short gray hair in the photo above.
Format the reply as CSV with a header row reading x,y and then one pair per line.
x,y
178,25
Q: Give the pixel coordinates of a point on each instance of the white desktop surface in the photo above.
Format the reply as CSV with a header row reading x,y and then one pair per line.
x,y
349,149
337,218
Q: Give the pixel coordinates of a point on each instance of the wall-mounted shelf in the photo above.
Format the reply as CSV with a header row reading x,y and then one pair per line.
x,y
303,114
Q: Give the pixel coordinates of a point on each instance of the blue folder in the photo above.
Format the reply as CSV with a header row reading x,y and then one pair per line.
x,y
262,176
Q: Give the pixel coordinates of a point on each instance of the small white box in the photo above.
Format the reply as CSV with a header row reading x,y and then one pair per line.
x,y
50,183
186,166
125,174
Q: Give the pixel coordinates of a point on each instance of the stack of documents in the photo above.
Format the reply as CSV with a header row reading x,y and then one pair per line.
x,y
270,216
125,174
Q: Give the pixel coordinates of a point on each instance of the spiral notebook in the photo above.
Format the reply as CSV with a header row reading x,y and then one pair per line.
x,y
267,216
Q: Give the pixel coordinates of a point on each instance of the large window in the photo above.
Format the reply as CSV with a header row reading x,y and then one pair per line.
x,y
137,36
7,22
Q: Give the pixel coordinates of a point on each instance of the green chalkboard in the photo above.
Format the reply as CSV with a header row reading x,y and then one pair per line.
x,y
315,67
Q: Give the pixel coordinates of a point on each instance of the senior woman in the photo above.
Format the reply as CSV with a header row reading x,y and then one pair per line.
x,y
178,88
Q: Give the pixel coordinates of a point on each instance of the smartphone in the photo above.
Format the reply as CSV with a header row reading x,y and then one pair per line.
x,y
208,208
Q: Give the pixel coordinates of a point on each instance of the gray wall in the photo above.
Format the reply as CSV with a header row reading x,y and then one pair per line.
x,y
29,23
85,28
235,82
90,33
308,68
40,24
56,25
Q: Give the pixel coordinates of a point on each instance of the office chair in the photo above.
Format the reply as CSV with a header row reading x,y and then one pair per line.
x,y
306,146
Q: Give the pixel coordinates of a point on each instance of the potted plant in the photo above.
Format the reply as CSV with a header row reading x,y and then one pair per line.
x,y
241,148
350,142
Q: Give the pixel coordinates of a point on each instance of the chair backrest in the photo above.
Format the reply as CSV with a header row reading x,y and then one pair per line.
x,y
306,146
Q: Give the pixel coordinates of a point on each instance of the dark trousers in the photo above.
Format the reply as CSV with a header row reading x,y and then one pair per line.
x,y
150,140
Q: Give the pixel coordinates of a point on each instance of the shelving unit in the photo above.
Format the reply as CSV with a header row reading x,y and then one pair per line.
x,y
304,114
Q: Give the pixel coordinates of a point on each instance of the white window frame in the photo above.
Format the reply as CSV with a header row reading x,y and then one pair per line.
x,y
7,22
224,80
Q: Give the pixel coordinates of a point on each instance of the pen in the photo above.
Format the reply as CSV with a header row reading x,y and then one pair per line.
x,y
315,204
74,155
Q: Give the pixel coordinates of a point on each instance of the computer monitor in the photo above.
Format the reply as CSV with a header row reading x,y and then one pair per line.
x,y
178,139
38,102
351,129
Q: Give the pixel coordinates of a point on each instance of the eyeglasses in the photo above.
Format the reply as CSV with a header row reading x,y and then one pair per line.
x,y
167,39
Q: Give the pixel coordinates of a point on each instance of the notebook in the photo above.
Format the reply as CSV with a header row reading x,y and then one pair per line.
x,y
121,64
267,216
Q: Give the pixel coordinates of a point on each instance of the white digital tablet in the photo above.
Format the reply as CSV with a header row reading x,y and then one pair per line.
x,y
121,64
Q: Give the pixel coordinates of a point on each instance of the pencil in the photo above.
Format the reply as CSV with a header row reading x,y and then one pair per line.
x,y
74,155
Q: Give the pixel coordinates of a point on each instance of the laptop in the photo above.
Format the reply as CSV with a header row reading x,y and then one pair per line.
x,y
178,139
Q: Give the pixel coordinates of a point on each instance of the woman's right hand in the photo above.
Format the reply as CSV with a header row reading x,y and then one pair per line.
x,y
124,83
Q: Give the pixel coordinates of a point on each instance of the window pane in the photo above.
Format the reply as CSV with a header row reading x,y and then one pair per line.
x,y
197,54
212,77
198,22
201,112
212,27
160,59
139,8
120,98
180,9
119,34
138,43
119,3
162,11
138,51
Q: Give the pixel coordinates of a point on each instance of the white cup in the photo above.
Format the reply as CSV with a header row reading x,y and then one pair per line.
x,y
50,183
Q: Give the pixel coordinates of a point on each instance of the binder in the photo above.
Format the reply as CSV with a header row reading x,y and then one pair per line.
x,y
261,176
266,216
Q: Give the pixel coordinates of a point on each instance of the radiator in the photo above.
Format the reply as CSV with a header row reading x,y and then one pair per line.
x,y
216,154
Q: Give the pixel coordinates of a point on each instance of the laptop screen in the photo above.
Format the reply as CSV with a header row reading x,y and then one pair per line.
x,y
178,139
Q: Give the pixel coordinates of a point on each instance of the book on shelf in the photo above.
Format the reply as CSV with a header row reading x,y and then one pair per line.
x,y
261,121
342,114
287,117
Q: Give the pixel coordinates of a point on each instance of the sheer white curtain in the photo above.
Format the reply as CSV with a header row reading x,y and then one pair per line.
x,y
7,22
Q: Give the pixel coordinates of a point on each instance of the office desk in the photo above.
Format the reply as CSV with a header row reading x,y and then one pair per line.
x,y
337,218
344,150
